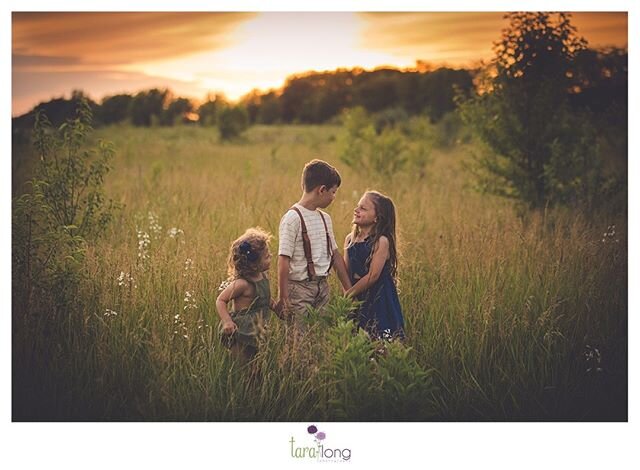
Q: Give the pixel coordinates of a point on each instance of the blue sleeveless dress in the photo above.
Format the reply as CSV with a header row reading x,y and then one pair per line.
x,y
380,314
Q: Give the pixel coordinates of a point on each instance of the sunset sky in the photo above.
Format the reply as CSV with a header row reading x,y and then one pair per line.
x,y
194,54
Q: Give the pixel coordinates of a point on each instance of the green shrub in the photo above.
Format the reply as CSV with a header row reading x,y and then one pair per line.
x,y
232,121
361,379
381,154
537,150
64,207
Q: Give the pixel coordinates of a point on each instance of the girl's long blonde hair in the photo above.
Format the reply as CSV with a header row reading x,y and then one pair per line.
x,y
386,225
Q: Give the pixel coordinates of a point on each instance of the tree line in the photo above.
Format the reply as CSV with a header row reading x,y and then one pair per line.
x,y
309,98
598,82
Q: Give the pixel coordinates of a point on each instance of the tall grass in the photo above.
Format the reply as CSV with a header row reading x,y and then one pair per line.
x,y
504,315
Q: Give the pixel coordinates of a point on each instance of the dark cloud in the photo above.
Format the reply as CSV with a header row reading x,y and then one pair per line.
x,y
470,36
30,88
119,38
37,61
55,52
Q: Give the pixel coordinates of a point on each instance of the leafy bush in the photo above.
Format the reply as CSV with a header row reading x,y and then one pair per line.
x,y
450,131
64,207
232,121
347,375
406,389
536,149
209,110
389,118
383,154
362,379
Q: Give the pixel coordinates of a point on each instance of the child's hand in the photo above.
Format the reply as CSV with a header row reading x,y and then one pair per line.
x,y
229,327
283,309
277,308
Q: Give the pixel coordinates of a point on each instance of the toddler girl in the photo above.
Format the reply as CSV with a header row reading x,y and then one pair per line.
x,y
243,327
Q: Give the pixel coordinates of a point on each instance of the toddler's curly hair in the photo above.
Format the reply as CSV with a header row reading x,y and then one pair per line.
x,y
246,252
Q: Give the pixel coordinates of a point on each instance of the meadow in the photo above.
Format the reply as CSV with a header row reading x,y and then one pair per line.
x,y
508,316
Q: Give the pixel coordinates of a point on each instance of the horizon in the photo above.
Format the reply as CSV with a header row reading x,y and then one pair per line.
x,y
196,55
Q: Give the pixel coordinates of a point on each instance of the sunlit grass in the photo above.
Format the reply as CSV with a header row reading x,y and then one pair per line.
x,y
501,312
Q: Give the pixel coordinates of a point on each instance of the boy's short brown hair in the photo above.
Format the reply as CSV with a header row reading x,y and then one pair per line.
x,y
317,173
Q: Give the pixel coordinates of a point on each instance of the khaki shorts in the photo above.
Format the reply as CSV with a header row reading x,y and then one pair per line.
x,y
303,294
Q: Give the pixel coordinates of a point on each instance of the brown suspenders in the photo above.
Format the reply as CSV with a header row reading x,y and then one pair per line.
x,y
306,244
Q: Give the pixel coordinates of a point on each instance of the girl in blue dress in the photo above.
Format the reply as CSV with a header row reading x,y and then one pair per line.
x,y
371,258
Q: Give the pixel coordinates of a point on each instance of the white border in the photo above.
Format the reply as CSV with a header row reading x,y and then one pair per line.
x,y
219,445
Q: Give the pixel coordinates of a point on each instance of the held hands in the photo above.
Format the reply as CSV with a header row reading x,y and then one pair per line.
x,y
283,308
229,327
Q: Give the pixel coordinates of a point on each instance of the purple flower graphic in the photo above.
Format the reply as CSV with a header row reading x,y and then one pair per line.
x,y
320,436
312,429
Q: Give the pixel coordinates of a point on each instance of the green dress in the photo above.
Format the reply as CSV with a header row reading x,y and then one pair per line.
x,y
251,321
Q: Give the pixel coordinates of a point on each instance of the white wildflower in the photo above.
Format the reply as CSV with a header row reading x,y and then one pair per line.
x,y
188,266
154,227
126,280
189,301
610,235
175,232
593,359
143,245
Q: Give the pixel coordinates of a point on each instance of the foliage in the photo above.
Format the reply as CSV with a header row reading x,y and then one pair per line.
x,y
377,91
599,81
451,131
347,374
510,321
64,207
177,112
70,176
306,98
534,151
208,111
147,107
406,388
269,111
383,153
46,256
115,109
369,380
232,121
389,117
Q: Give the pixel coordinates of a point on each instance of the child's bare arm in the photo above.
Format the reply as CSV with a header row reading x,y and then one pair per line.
x,y
380,255
341,270
347,242
283,283
234,290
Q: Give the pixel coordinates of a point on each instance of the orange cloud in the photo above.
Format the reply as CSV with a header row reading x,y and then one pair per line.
x,y
461,38
194,53
80,40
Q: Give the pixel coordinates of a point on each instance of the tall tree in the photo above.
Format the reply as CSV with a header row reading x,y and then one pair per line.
x,y
115,108
539,151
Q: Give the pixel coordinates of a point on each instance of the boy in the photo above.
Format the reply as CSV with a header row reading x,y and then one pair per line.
x,y
307,248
